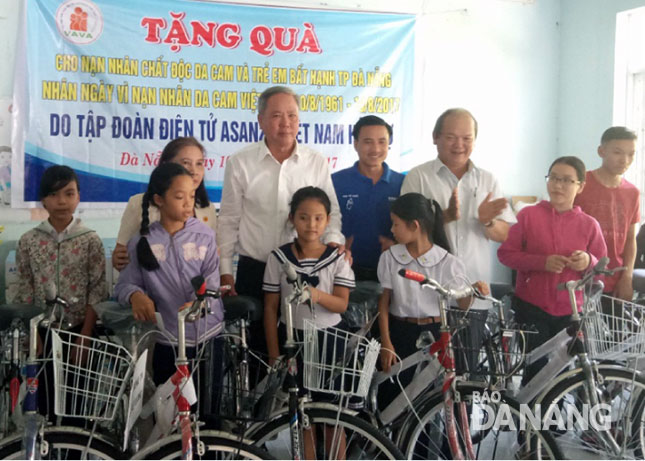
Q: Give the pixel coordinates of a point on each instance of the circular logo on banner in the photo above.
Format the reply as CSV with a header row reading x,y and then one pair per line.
x,y
79,21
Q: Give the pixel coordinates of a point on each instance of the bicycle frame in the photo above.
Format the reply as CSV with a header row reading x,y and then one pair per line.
x,y
33,441
443,358
563,349
297,296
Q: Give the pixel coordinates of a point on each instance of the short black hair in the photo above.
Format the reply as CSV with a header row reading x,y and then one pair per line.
x,y
438,126
572,161
55,178
618,133
370,120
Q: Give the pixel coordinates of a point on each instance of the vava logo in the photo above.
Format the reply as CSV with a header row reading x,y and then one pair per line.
x,y
79,21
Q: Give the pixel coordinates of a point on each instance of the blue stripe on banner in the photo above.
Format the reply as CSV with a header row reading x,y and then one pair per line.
x,y
94,187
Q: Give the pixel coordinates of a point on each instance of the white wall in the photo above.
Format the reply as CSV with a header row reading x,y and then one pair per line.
x,y
538,75
587,74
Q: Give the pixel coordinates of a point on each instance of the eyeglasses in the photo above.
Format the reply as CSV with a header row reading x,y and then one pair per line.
x,y
567,182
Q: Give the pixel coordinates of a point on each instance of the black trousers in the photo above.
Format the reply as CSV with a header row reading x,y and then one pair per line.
x,y
546,325
404,337
248,282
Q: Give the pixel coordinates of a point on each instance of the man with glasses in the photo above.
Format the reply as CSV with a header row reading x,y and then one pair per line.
x,y
475,210
614,202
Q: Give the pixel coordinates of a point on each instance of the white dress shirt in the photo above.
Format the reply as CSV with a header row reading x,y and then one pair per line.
x,y
254,211
466,235
409,298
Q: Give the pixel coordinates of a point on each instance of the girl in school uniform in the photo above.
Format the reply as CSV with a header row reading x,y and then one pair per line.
x,y
326,271
405,308
553,242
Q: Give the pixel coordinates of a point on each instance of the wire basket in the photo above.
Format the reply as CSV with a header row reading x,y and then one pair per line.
x,y
614,328
337,361
90,376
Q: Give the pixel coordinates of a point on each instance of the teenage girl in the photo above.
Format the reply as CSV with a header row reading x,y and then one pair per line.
x,y
189,153
405,308
552,242
328,274
164,257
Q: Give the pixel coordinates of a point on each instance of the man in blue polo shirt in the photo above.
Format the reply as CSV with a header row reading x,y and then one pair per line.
x,y
364,192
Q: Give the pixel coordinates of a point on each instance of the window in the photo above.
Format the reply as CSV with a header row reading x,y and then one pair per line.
x,y
629,88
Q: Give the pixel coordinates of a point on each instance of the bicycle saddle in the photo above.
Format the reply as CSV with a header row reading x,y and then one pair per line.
x,y
237,307
25,312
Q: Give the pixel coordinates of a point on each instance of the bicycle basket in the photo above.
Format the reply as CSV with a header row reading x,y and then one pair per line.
x,y
90,386
614,328
337,361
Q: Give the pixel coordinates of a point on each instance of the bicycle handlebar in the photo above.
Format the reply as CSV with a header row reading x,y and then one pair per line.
x,y
436,286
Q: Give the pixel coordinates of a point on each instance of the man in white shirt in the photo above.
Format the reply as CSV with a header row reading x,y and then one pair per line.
x,y
475,210
258,185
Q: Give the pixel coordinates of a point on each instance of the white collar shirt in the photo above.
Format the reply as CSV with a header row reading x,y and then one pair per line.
x,y
409,299
466,236
254,210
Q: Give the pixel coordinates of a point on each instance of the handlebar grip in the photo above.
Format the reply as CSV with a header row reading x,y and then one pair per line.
x,y
412,275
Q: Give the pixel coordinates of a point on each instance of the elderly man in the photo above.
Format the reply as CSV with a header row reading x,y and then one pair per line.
x,y
475,210
258,185
364,192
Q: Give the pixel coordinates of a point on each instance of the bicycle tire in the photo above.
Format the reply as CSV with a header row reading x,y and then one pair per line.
x,y
217,447
627,429
68,443
425,437
363,440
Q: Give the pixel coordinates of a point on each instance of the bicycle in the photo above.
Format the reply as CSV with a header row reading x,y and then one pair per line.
x,y
36,439
436,422
116,378
282,432
588,385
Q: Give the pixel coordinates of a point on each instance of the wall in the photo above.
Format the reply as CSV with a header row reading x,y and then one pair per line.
x,y
587,74
498,58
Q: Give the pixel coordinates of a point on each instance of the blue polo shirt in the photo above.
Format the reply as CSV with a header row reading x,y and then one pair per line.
x,y
366,210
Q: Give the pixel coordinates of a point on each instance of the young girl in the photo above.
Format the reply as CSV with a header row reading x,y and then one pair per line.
x,y
328,274
164,257
552,242
189,153
405,308
63,252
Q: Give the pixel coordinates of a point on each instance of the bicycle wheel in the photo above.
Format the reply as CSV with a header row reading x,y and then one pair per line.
x,y
215,446
70,443
621,435
423,436
363,441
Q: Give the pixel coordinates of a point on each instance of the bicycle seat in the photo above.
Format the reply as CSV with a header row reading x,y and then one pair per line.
x,y
237,307
25,312
499,290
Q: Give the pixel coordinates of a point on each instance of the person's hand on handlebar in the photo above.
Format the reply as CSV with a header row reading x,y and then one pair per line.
x,y
482,288
227,279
